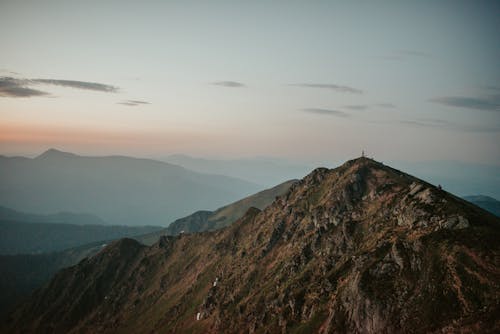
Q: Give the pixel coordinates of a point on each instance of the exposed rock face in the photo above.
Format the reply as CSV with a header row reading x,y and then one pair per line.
x,y
358,249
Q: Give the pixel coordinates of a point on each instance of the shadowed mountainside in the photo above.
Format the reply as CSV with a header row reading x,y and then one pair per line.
x,y
362,248
23,273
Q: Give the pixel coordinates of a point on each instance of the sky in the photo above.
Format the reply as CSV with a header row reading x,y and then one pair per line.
x,y
301,80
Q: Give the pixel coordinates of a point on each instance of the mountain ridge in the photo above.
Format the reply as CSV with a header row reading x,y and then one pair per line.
x,y
362,248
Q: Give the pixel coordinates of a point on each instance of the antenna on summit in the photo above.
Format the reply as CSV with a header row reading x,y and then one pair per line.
x,y
362,153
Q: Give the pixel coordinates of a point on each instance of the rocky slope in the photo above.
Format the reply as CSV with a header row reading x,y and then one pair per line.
x,y
362,248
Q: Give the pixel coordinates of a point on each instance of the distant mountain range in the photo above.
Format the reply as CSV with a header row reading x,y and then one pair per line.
x,y
34,238
263,171
488,203
459,178
120,190
7,214
201,221
362,248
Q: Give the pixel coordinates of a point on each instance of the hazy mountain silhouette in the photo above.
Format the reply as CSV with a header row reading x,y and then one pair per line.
x,y
120,190
362,248
60,217
455,176
488,203
25,238
263,171
201,221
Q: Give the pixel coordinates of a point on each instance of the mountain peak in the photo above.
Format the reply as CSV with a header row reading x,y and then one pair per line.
x,y
364,161
355,170
54,153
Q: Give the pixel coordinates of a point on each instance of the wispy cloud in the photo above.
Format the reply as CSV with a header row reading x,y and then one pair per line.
x,y
385,105
427,122
327,112
78,84
414,53
21,87
491,102
447,125
401,55
230,84
4,70
338,88
362,107
357,107
11,87
133,103
495,89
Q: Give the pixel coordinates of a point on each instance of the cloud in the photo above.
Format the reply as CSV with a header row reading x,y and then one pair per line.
x,y
427,123
391,57
4,70
133,103
386,105
338,88
78,84
356,107
414,53
11,87
405,55
491,102
362,107
16,87
446,125
327,112
492,88
231,84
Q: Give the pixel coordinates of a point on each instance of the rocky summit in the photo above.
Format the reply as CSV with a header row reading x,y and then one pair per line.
x,y
362,248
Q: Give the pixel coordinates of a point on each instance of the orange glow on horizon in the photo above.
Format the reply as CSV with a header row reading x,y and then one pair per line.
x,y
33,137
